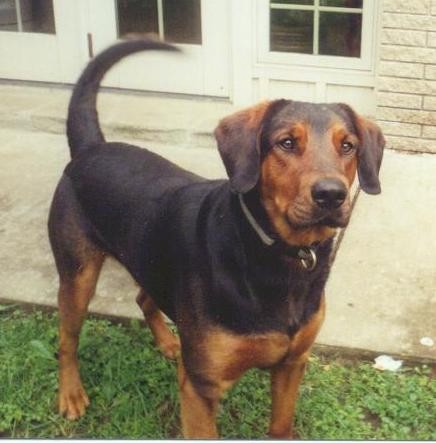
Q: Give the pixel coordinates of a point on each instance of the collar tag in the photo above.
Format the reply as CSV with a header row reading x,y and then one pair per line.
x,y
307,258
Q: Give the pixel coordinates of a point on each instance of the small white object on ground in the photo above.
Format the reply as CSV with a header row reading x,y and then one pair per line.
x,y
387,363
426,341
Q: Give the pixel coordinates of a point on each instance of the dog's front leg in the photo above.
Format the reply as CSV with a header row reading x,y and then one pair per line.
x,y
286,376
285,381
198,411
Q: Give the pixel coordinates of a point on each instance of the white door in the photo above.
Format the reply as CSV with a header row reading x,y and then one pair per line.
x,y
39,40
317,50
199,27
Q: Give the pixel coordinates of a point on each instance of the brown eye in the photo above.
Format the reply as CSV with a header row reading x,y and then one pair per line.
x,y
347,147
288,144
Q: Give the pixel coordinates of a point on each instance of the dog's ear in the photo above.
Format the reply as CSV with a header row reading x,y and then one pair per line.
x,y
369,155
370,151
238,144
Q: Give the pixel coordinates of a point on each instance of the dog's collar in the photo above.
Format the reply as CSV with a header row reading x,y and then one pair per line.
x,y
266,239
306,254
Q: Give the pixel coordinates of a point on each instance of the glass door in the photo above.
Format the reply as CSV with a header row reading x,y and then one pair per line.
x,y
38,40
198,27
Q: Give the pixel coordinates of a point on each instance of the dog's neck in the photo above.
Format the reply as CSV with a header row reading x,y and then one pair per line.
x,y
257,217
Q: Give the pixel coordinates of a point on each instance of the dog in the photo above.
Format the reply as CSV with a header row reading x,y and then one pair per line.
x,y
238,265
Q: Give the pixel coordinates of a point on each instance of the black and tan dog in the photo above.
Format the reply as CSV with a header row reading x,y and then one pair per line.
x,y
239,265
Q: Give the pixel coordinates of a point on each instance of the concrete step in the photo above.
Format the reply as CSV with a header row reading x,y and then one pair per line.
x,y
181,121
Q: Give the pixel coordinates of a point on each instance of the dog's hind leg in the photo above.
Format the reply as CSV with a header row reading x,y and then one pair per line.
x,y
167,342
73,298
78,261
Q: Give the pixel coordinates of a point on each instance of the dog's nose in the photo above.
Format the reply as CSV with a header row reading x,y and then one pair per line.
x,y
329,193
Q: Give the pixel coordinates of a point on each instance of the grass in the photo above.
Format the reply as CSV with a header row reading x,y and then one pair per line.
x,y
133,390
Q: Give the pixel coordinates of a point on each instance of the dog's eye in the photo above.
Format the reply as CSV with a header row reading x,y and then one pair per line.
x,y
288,144
347,147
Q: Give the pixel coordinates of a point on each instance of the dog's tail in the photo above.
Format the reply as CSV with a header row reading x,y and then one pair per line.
x,y
83,128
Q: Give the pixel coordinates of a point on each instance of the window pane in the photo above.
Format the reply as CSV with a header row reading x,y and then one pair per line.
x,y
8,16
182,21
340,34
293,2
291,31
342,3
137,16
38,16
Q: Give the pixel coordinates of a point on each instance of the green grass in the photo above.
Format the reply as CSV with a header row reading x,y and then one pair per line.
x,y
133,390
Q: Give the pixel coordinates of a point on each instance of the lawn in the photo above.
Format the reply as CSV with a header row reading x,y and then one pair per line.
x,y
133,390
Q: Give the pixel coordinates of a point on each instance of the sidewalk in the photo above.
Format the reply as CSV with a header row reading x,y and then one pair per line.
x,y
381,296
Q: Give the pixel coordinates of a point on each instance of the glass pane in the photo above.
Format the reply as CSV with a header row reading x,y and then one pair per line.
x,y
342,3
38,16
340,34
293,2
182,21
291,31
137,16
8,16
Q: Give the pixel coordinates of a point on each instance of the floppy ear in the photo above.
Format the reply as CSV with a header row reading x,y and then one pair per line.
x,y
370,152
237,136
369,155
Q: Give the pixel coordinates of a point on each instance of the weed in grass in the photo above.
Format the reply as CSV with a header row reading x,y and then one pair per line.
x,y
133,390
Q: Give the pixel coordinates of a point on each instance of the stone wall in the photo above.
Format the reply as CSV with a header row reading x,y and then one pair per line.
x,y
406,74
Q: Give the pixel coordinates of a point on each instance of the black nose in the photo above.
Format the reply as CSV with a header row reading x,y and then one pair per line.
x,y
329,193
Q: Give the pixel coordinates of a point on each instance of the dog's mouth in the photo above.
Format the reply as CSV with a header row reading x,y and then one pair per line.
x,y
337,218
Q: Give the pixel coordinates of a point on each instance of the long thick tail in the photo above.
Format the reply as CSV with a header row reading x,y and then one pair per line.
x,y
83,128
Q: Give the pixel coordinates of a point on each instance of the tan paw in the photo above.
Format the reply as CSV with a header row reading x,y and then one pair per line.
x,y
73,402
170,348
283,434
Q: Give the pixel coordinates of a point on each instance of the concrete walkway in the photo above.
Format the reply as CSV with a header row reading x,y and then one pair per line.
x,y
382,291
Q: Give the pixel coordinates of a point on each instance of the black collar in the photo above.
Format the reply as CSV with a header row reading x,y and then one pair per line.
x,y
306,254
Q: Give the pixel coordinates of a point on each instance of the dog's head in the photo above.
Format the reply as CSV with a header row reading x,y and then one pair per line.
x,y
302,157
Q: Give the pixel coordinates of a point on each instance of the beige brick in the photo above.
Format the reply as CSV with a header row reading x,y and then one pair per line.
x,y
406,115
401,69
390,84
409,21
398,128
410,144
430,72
431,42
429,132
433,7
395,100
408,54
429,103
404,37
408,6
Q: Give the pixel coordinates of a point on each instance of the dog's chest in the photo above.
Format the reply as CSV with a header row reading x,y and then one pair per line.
x,y
232,354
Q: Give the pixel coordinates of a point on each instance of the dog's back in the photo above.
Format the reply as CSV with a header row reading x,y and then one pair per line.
x,y
119,196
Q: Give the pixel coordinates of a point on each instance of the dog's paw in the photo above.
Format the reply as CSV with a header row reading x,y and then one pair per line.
x,y
73,402
284,434
170,348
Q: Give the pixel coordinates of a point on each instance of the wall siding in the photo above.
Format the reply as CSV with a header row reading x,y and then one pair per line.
x,y
406,79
